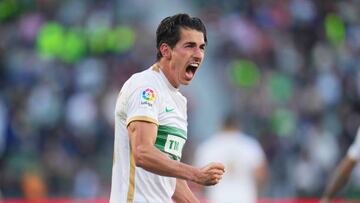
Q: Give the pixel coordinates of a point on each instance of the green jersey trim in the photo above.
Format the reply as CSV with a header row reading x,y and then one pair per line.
x,y
163,129
171,140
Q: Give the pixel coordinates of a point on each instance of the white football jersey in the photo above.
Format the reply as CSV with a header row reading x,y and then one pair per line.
x,y
354,150
240,154
147,96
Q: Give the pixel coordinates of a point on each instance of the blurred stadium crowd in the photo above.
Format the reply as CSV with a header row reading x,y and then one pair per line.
x,y
289,68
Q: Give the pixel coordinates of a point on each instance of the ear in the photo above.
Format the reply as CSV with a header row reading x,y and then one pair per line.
x,y
165,50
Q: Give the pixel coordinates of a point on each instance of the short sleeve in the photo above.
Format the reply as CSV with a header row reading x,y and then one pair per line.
x,y
143,105
354,150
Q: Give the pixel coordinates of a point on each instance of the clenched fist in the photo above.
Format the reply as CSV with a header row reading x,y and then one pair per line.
x,y
210,174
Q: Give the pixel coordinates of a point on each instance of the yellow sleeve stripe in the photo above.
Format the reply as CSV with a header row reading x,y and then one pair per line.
x,y
131,188
142,118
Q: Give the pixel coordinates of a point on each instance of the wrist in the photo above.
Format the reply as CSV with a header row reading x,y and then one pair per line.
x,y
194,174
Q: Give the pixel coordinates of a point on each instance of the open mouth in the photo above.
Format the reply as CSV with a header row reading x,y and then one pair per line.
x,y
191,69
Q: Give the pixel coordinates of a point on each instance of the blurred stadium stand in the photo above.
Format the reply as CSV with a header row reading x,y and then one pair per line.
x,y
289,68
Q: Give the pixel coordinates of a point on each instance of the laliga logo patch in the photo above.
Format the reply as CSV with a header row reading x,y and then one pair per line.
x,y
148,94
148,97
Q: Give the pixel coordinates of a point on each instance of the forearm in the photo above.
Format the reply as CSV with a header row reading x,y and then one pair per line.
x,y
142,136
261,174
153,160
335,185
183,193
340,178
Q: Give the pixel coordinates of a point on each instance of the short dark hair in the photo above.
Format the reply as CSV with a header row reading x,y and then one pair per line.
x,y
169,30
231,120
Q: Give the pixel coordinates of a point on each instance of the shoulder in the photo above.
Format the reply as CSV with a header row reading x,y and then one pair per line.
x,y
250,142
354,149
147,79
358,133
356,142
147,76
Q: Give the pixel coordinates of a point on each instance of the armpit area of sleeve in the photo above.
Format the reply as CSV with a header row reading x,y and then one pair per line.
x,y
354,153
142,118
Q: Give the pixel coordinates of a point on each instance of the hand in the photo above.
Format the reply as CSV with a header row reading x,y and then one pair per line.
x,y
210,174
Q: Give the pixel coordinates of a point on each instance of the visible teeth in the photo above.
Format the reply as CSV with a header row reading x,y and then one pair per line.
x,y
194,64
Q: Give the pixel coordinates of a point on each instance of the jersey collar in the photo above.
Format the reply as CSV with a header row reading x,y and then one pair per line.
x,y
162,75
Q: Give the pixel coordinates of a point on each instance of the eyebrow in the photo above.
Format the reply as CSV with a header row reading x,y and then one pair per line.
x,y
193,44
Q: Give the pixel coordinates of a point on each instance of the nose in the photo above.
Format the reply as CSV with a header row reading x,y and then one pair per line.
x,y
198,54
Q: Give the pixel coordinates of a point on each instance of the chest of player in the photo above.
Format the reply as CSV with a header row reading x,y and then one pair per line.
x,y
172,130
172,111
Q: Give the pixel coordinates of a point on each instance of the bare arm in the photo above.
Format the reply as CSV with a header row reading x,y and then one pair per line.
x,y
261,174
339,179
142,136
183,193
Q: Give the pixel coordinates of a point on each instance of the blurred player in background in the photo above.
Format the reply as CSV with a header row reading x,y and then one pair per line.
x,y
245,162
343,171
151,121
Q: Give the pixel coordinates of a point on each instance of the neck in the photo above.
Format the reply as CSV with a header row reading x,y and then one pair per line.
x,y
230,129
166,69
